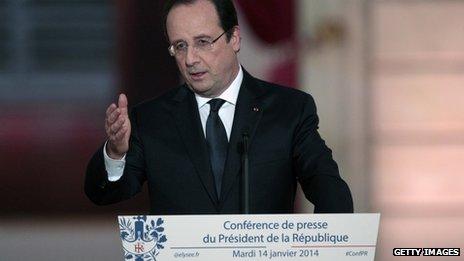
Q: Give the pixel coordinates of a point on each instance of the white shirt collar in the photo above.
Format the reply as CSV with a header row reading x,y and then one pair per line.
x,y
230,95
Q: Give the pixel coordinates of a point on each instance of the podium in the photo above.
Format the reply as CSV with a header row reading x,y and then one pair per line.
x,y
250,237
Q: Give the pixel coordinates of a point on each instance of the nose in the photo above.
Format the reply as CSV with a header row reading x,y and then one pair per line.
x,y
191,57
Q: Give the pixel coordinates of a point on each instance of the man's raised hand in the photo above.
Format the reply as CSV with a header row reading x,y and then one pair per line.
x,y
118,128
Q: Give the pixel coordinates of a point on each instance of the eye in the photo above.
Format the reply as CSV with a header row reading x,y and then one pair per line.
x,y
180,46
203,42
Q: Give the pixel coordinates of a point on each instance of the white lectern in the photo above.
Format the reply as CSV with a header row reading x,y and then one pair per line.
x,y
250,237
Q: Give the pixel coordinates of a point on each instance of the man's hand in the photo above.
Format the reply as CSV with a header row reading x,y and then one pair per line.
x,y
118,128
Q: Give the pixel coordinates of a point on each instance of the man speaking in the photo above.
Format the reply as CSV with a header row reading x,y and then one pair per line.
x,y
187,144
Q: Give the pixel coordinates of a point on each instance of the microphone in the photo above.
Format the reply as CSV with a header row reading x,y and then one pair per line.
x,y
245,174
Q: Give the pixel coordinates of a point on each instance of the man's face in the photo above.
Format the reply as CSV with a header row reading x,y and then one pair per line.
x,y
207,72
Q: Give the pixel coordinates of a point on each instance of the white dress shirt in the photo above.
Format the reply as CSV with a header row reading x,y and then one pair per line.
x,y
115,168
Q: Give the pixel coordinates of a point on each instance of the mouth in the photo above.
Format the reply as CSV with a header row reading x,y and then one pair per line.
x,y
197,75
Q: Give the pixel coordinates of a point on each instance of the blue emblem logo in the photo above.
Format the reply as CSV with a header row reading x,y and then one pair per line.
x,y
142,239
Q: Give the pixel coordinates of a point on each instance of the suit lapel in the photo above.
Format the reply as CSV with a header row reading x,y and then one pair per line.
x,y
247,115
189,125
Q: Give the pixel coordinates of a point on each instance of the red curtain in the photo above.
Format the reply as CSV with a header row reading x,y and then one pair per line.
x,y
273,22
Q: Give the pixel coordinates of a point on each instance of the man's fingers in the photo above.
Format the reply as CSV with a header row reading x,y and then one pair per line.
x,y
115,127
119,136
122,103
117,133
113,117
110,109
118,139
114,111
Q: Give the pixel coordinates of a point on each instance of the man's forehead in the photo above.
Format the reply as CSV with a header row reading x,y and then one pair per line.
x,y
192,20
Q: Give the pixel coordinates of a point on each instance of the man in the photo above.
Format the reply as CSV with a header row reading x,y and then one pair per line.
x,y
186,144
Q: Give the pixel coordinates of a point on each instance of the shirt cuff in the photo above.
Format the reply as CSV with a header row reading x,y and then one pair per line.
x,y
114,168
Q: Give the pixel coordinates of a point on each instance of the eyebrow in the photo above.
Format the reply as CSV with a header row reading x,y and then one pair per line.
x,y
194,38
202,36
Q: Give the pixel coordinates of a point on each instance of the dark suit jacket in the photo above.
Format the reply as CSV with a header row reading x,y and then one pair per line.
x,y
169,151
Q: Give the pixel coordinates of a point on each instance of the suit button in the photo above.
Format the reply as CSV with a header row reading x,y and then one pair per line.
x,y
103,184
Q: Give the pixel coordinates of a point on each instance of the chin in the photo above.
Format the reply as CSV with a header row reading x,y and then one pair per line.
x,y
197,87
202,90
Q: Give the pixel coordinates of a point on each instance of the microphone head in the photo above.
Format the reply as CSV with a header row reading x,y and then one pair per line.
x,y
242,146
245,137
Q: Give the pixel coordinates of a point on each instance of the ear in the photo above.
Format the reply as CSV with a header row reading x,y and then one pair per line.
x,y
235,39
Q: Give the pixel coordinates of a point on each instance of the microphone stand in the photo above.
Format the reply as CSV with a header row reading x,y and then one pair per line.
x,y
245,176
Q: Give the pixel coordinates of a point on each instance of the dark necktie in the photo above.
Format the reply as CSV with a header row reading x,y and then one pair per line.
x,y
216,139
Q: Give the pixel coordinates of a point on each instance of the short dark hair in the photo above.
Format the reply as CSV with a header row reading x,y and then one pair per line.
x,y
224,8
